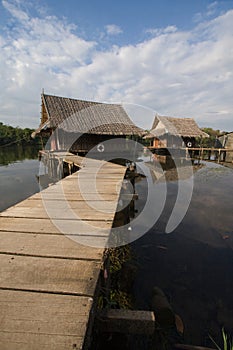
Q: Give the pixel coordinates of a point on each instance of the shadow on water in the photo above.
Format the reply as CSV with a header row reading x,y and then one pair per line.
x,y
18,169
193,265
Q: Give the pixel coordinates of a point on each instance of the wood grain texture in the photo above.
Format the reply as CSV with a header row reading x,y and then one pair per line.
x,y
49,261
42,321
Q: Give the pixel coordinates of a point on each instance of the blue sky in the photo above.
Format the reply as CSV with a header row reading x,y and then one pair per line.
x,y
170,57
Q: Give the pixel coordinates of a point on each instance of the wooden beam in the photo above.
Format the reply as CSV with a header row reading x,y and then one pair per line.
x,y
191,347
126,321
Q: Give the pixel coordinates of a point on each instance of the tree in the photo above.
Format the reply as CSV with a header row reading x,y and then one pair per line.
x,y
16,135
209,142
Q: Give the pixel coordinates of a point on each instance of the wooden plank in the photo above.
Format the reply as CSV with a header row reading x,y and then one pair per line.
x,y
48,280
32,225
46,245
89,197
49,274
56,213
70,186
127,321
99,177
70,196
191,347
98,205
42,321
66,185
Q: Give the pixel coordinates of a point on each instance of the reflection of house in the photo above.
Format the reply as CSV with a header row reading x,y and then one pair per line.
x,y
168,132
226,141
78,125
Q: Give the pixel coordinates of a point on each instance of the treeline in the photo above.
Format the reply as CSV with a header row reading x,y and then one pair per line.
x,y
212,141
10,135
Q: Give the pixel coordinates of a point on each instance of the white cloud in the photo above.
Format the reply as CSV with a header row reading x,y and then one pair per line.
x,y
174,72
160,31
210,11
113,29
15,10
211,8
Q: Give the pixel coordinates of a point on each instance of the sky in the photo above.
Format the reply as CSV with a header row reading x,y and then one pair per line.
x,y
171,57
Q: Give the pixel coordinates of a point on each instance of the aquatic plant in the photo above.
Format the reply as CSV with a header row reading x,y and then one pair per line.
x,y
227,341
112,292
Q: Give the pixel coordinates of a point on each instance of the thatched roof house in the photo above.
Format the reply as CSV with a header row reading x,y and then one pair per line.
x,y
226,141
90,122
174,132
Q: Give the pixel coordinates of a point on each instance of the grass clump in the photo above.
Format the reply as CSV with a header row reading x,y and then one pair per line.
x,y
227,341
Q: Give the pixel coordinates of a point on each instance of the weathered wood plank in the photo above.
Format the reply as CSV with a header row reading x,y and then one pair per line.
x,y
56,213
42,321
127,321
55,195
32,225
98,205
99,186
49,274
47,280
46,245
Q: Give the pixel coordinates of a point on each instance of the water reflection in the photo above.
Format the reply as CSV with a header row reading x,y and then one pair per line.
x,y
194,264
18,169
13,154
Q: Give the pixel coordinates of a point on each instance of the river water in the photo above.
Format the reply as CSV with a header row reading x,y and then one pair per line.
x,y
18,169
193,265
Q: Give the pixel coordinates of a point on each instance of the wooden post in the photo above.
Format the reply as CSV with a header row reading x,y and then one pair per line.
x,y
202,153
126,321
209,154
191,347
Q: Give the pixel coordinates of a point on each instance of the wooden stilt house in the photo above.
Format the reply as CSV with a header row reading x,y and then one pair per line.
x,y
169,132
78,125
226,141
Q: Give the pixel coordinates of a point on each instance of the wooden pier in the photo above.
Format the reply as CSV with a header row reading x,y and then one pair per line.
x,y
204,153
201,153
48,281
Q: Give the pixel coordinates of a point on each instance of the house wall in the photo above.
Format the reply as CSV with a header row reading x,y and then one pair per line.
x,y
174,141
157,143
87,142
82,143
189,142
227,142
171,141
44,116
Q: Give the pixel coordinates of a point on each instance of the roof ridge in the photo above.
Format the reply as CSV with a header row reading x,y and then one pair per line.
x,y
81,100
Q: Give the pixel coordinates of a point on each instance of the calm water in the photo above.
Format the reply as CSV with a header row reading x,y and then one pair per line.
x,y
194,264
18,169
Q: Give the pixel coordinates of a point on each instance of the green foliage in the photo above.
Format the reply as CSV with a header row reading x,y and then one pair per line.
x,y
10,135
120,299
118,256
209,142
227,341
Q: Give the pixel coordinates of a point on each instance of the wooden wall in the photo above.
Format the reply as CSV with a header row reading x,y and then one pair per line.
x,y
227,142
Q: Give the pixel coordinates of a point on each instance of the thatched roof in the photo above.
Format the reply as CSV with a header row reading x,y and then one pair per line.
x,y
86,117
183,127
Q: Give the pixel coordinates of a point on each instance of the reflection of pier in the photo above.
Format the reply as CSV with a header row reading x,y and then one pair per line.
x,y
201,153
48,281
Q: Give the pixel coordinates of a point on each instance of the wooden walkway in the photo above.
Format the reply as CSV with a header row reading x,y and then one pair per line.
x,y
48,281
202,153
